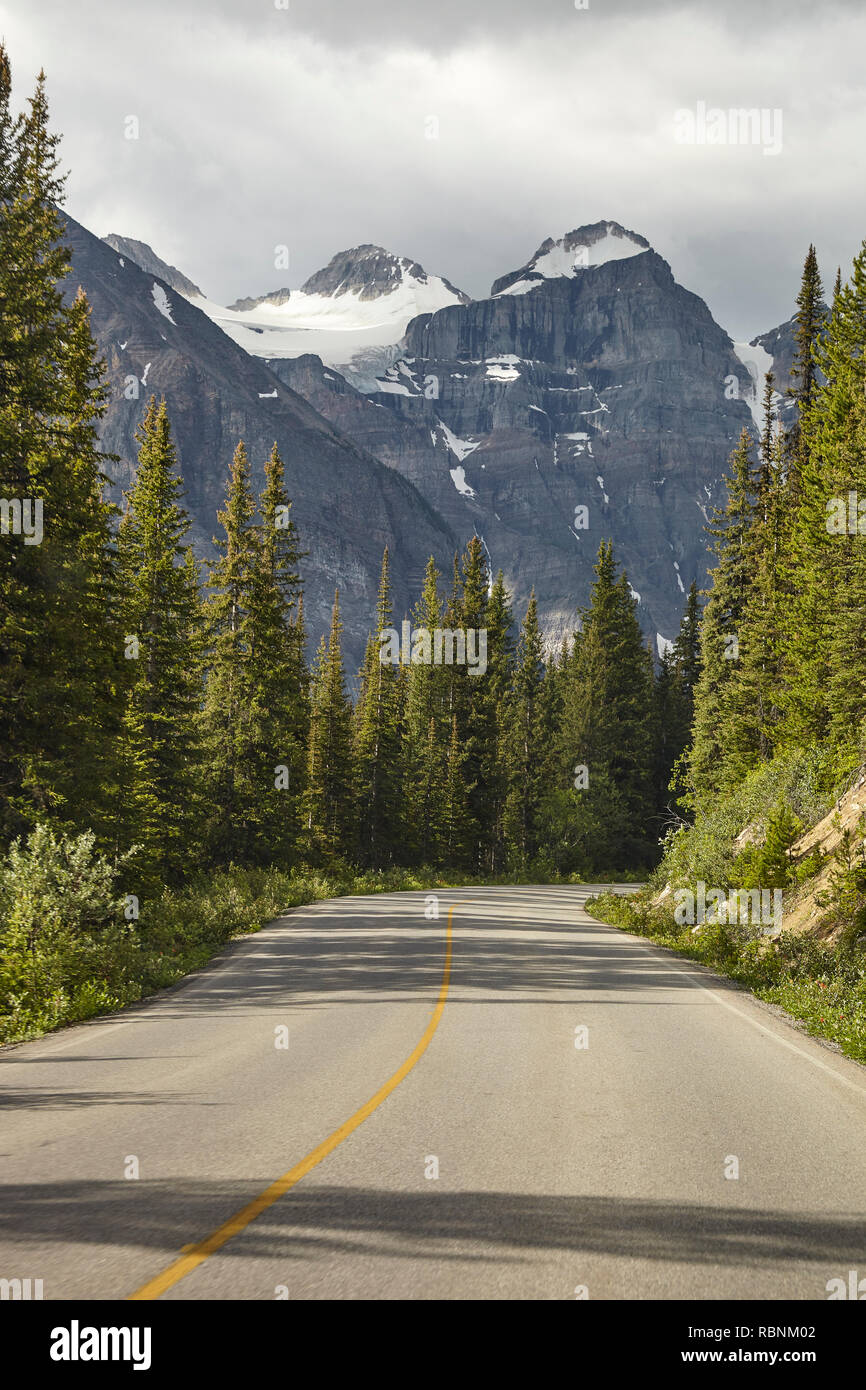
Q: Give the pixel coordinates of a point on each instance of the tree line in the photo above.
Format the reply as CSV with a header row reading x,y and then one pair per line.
x,y
783,644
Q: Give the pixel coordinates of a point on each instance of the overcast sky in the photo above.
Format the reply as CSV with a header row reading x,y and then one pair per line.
x,y
308,127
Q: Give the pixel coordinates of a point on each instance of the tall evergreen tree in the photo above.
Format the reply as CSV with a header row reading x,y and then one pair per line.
x,y
762,642
728,597
457,827
162,618
278,681
329,801
235,776
839,433
805,551
427,732
675,687
378,752
60,646
478,606
525,745
608,716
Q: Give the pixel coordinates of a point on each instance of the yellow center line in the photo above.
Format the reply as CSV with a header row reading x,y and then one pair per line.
x,y
196,1254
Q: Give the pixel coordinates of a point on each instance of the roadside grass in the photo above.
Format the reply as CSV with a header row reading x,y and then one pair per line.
x,y
68,952
822,987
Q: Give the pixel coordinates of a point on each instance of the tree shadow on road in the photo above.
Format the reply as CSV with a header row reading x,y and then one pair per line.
x,y
429,1224
527,940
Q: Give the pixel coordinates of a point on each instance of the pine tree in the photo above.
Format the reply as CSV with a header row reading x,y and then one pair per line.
x,y
525,745
279,694
809,320
492,702
60,647
235,779
841,439
805,549
670,725
457,827
9,131
378,752
687,649
675,687
477,606
162,618
427,731
329,800
821,547
607,720
762,642
727,601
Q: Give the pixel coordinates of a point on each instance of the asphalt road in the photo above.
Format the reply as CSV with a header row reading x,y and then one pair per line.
x,y
602,1167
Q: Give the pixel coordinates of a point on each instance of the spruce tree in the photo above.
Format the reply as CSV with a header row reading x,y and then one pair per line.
x,y
525,745
762,641
329,800
675,687
278,681
809,324
607,721
492,703
234,787
731,589
162,619
457,825
476,700
670,724
806,552
840,438
378,751
427,731
60,642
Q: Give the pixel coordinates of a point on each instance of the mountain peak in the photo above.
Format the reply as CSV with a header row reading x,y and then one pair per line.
x,y
370,272
582,249
276,297
146,259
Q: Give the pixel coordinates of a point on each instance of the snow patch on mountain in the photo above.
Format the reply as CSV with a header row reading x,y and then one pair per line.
x,y
458,478
757,362
461,448
352,314
569,255
503,368
162,301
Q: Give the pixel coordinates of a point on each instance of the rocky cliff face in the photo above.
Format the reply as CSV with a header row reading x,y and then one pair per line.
x,y
588,397
146,258
347,505
585,399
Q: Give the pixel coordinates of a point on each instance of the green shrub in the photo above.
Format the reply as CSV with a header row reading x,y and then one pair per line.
x,y
63,933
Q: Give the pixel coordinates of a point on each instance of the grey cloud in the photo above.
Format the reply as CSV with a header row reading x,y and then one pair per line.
x,y
306,127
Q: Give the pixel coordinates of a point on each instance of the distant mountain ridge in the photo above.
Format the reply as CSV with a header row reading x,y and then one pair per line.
x,y
588,379
348,506
145,257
